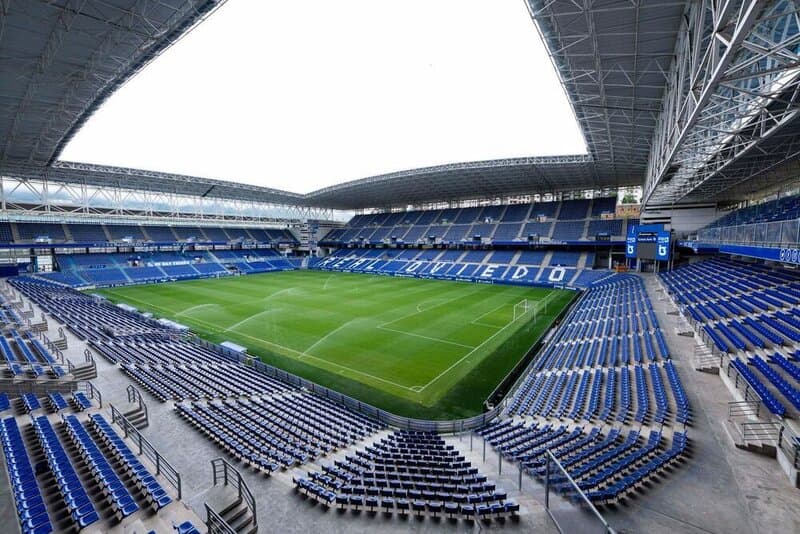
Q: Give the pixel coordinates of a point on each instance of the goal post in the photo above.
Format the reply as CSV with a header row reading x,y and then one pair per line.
x,y
526,306
521,308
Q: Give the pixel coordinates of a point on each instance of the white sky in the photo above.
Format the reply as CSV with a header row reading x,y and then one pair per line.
x,y
302,95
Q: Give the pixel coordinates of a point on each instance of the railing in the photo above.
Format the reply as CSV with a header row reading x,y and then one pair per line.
x,y
770,431
705,357
567,505
405,423
93,393
512,381
215,524
16,388
766,234
790,445
229,475
90,364
743,410
163,467
750,394
134,395
49,345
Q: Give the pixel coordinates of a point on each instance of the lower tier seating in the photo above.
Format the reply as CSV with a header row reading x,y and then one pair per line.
x,y
280,431
606,467
408,472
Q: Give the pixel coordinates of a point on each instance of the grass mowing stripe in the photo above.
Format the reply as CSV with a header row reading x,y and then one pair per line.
x,y
437,364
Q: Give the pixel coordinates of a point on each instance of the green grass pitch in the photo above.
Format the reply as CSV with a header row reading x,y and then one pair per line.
x,y
420,348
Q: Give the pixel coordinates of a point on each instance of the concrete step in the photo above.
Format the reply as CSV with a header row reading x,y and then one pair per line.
x,y
230,508
766,448
243,524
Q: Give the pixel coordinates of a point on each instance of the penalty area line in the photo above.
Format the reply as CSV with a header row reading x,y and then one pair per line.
x,y
467,355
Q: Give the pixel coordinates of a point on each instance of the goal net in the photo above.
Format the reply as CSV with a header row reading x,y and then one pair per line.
x,y
521,308
534,307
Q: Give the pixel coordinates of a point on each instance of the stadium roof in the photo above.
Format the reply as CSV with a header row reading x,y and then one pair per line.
x,y
122,177
614,58
481,179
62,59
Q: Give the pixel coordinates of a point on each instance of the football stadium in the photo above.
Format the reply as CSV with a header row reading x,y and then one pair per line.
x,y
596,342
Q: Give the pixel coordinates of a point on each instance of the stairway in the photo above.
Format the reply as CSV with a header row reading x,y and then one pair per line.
x,y
238,516
137,417
15,232
107,233
67,233
84,372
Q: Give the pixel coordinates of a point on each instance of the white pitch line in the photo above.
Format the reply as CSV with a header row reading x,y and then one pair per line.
x,y
432,307
426,337
488,339
487,325
481,316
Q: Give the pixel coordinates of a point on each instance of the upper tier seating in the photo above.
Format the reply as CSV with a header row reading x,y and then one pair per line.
x,y
79,270
32,231
86,233
612,227
573,209
568,230
161,234
604,205
121,231
499,223
101,233
516,213
781,209
6,236
216,234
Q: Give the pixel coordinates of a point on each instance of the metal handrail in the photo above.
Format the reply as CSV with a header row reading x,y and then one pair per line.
x,y
406,423
223,470
16,388
163,467
93,393
745,408
215,523
789,442
551,459
134,395
762,430
750,394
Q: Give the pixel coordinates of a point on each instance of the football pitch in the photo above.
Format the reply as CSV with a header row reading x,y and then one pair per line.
x,y
415,347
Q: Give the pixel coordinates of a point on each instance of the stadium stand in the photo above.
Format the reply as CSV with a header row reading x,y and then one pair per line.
x,y
408,472
603,365
81,270
476,265
497,224
102,233
749,313
285,427
780,209
688,110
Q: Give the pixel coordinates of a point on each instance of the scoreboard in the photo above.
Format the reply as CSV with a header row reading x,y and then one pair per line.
x,y
648,242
